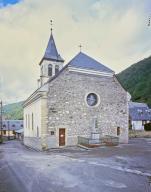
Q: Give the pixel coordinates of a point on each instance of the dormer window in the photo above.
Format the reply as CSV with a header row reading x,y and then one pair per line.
x,y
56,69
49,70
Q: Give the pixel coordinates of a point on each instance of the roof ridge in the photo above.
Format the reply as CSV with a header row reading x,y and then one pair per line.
x,y
82,60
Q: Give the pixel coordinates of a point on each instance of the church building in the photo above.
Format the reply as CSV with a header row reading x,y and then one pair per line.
x,y
82,99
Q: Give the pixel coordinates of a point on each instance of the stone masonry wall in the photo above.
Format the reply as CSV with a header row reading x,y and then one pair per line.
x,y
67,107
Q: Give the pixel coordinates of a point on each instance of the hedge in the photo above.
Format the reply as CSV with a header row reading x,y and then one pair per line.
x,y
147,127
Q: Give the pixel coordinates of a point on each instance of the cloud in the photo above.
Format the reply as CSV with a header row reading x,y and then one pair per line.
x,y
111,31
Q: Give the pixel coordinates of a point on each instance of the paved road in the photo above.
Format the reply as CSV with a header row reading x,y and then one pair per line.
x,y
126,168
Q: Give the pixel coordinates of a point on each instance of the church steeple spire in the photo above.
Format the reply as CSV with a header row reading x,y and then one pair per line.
x,y
51,62
51,52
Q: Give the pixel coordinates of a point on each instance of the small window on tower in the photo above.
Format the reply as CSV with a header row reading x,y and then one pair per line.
x,y
56,69
49,70
42,71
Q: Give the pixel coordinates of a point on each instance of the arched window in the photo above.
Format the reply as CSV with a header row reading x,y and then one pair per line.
x,y
49,70
37,131
42,71
28,121
56,69
32,121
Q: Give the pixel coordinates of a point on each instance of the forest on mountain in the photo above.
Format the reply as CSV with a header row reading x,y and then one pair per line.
x,y
137,80
13,111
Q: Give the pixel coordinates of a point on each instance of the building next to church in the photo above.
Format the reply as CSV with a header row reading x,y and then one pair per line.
x,y
9,127
78,99
139,114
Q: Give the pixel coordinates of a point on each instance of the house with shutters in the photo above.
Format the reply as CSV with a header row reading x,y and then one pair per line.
x,y
81,99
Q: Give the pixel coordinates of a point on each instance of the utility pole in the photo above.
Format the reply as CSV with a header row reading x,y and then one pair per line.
x,y
1,120
8,131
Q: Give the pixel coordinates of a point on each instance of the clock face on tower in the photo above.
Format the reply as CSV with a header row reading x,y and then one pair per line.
x,y
92,99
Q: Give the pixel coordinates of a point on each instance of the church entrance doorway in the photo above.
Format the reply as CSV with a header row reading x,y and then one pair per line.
x,y
61,137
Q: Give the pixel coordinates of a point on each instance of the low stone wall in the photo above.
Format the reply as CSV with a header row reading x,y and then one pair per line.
x,y
107,140
139,134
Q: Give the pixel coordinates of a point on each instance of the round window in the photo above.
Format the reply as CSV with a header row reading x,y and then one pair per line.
x,y
92,99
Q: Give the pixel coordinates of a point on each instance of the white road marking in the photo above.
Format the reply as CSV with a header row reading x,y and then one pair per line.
x,y
133,171
114,184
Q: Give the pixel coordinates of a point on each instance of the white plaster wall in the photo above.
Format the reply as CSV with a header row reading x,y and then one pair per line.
x,y
34,108
137,125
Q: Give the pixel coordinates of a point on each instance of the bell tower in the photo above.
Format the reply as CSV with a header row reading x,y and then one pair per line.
x,y
51,62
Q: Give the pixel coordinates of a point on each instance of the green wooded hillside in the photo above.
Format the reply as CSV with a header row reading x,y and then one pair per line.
x,y
13,111
137,80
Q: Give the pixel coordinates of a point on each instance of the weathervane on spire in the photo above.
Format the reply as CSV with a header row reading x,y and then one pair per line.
x,y
51,23
80,46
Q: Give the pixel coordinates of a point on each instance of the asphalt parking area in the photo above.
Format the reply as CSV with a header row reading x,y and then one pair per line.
x,y
109,169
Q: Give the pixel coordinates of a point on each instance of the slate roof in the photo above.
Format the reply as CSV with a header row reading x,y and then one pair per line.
x,y
83,61
12,124
51,52
139,111
137,105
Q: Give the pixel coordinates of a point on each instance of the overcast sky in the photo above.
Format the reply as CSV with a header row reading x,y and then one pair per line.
x,y
114,32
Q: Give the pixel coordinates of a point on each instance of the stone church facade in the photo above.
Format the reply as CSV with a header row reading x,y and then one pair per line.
x,y
79,99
